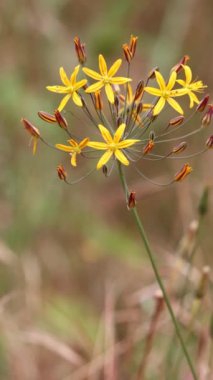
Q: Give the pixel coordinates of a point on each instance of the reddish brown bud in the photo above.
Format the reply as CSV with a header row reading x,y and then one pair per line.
x,y
148,147
209,142
33,131
61,172
139,108
175,121
184,171
179,66
80,50
208,116
61,120
179,148
131,200
127,53
47,117
203,103
98,101
105,170
133,44
139,90
117,103
151,74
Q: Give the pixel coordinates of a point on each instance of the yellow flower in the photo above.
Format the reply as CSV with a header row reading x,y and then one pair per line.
x,y
105,78
70,87
74,148
165,93
191,86
112,145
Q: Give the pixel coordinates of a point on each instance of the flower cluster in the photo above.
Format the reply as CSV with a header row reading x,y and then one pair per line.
x,y
123,116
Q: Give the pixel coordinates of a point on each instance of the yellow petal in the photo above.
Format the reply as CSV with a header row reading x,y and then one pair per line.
x,y
104,159
95,87
109,93
65,148
92,74
175,105
126,143
159,106
102,65
72,142
76,99
160,80
64,77
188,73
153,91
114,68
97,145
119,133
83,143
58,89
172,80
121,157
64,102
74,75
193,99
120,80
73,159
105,134
80,84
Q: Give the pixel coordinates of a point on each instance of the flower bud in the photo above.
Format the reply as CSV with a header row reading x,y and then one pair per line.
x,y
139,90
175,121
179,66
131,201
148,147
61,172
203,103
80,50
33,131
208,116
98,101
184,171
133,44
209,142
47,117
117,103
61,120
179,148
105,170
127,52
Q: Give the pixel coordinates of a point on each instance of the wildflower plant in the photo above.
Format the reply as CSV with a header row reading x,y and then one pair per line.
x,y
122,128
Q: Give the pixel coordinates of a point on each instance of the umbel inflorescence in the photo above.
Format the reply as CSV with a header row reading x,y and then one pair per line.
x,y
122,117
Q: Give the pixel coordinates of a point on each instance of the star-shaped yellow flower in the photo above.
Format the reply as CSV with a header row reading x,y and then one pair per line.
x,y
112,145
105,78
191,86
71,86
74,148
165,93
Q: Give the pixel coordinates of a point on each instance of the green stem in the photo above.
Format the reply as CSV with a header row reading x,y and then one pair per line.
x,y
157,275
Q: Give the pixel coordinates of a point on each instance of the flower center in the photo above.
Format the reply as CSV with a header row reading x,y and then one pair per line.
x,y
112,146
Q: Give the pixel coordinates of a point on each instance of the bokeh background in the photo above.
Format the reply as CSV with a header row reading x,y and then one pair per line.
x,y
63,249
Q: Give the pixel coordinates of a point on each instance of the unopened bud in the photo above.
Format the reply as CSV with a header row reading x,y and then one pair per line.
x,y
33,131
152,135
80,50
209,142
139,108
203,103
47,117
133,44
175,121
179,66
148,147
61,172
139,90
127,52
131,201
151,74
203,204
116,104
202,286
98,101
179,148
208,116
185,170
119,121
105,170
61,120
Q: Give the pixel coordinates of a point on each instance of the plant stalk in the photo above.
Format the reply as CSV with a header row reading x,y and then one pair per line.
x,y
157,274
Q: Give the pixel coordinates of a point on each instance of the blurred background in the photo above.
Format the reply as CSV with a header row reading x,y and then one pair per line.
x,y
68,255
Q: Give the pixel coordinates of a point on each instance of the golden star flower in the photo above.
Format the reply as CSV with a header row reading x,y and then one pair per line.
x,y
71,86
166,93
191,86
105,78
112,145
74,148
